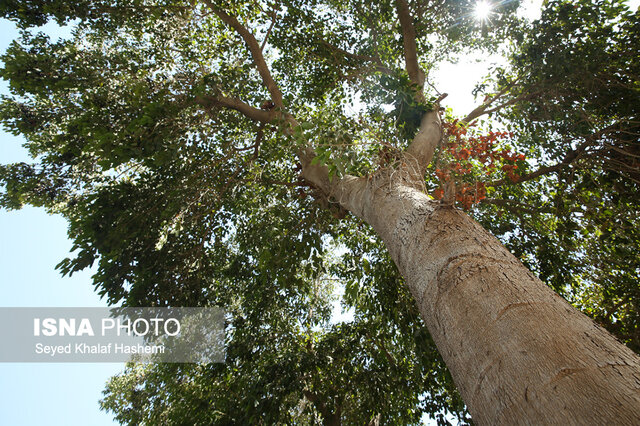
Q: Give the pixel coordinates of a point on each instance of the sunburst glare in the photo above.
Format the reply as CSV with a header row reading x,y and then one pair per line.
x,y
483,10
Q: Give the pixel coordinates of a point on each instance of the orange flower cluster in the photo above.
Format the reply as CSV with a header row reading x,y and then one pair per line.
x,y
470,194
467,194
469,153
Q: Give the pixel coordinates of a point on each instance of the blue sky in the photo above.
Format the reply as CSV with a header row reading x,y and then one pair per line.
x,y
32,243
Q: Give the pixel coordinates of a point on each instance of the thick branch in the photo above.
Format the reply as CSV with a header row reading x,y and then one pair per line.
x,y
420,151
317,174
409,40
256,53
346,190
234,103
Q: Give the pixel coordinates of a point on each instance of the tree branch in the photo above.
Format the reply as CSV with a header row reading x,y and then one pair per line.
x,y
516,206
236,104
266,37
481,109
519,98
375,60
382,348
410,49
317,174
569,158
329,417
420,151
256,52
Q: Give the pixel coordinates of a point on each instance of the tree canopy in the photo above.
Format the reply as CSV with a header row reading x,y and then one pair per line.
x,y
172,134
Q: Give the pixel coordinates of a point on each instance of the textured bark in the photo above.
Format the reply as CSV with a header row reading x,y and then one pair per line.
x,y
517,351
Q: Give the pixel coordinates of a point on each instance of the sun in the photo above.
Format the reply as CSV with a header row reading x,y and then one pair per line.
x,y
483,10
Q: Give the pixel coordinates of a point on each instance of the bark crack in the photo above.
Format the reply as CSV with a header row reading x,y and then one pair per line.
x,y
446,268
510,306
565,372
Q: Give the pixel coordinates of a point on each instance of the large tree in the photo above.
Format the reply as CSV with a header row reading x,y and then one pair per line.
x,y
260,155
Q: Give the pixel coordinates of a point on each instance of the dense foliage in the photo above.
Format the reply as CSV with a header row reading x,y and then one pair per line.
x,y
180,199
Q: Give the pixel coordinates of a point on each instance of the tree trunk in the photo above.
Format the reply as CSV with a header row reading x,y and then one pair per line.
x,y
517,351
